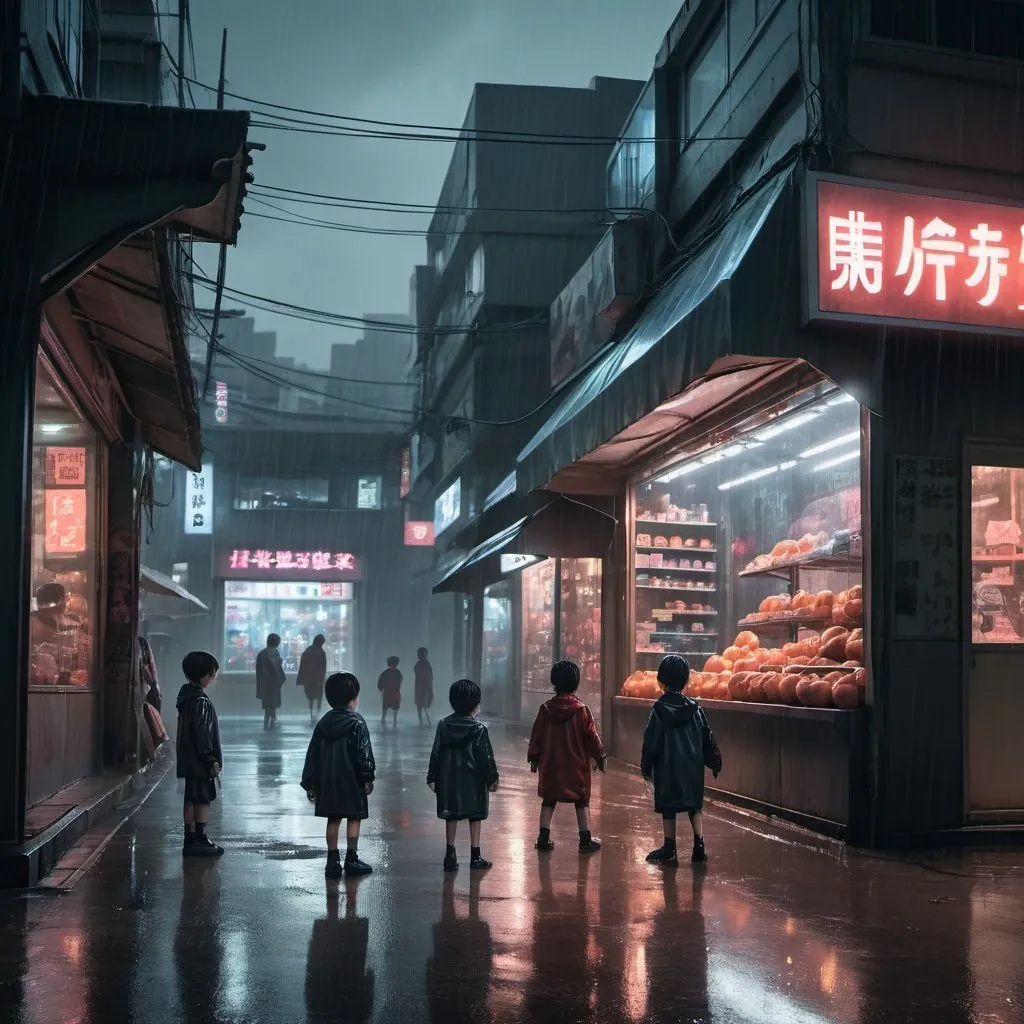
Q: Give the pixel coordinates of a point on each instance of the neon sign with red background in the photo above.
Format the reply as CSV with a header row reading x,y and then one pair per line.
x,y
913,258
298,566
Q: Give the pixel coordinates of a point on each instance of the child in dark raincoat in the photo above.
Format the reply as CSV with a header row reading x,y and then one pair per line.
x,y
312,673
390,685
270,678
198,751
339,771
462,772
563,742
678,745
423,689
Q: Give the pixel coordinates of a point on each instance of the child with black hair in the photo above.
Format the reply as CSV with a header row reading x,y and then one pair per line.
x,y
563,742
390,685
199,755
462,772
339,772
678,745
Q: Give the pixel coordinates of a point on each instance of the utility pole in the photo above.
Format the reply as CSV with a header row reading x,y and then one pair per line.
x,y
222,261
182,23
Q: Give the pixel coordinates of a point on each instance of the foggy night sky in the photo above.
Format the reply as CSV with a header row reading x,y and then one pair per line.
x,y
396,60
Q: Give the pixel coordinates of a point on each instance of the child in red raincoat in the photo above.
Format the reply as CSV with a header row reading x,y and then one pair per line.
x,y
390,685
563,743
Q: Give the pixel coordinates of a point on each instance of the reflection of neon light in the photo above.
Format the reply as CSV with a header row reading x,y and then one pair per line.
x,y
827,446
735,995
756,475
789,424
837,461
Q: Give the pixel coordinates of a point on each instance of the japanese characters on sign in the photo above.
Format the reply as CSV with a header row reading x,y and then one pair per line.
x,y
419,534
66,521
199,501
907,257
221,396
405,484
926,584
512,563
308,565
65,467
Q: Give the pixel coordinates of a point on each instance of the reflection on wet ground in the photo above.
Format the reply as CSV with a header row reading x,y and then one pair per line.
x,y
769,932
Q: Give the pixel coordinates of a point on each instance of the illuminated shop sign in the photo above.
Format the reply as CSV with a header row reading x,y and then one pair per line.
x,y
221,395
888,255
268,563
66,521
199,501
512,563
65,467
249,591
419,534
448,508
368,492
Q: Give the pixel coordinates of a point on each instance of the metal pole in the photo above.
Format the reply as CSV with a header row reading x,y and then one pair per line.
x,y
223,257
182,16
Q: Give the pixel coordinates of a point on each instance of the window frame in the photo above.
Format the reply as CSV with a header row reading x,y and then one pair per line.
x,y
719,29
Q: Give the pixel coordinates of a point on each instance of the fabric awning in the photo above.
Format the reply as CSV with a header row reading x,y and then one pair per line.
x,y
563,527
735,307
154,582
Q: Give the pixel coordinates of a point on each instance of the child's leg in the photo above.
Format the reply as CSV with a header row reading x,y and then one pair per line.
x,y
189,814
394,717
670,828
697,824
451,830
547,812
474,834
476,860
352,834
583,818
588,844
333,828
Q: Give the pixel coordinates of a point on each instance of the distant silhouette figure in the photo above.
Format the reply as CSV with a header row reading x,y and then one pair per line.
x,y
423,691
390,686
313,673
269,680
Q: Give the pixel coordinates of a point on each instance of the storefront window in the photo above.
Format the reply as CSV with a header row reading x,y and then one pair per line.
x,y
997,555
297,612
65,552
748,560
580,624
496,646
538,634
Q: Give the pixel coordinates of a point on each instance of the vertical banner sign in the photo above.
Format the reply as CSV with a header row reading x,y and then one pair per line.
x,y
406,481
221,394
66,521
199,501
926,579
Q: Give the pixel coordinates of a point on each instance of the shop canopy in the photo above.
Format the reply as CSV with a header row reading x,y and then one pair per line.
x,y
727,323
562,527
157,583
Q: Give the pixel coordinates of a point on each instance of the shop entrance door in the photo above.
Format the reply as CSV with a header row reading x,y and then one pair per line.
x,y
995,697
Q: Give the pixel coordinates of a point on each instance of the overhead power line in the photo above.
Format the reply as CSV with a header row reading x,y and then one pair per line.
x,y
302,371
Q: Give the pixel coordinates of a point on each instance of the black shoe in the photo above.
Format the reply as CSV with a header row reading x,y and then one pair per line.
x,y
451,863
479,864
202,846
543,845
590,845
354,868
334,869
699,855
665,855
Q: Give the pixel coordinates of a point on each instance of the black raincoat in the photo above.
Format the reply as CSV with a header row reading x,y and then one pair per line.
x,y
339,765
198,741
462,768
678,745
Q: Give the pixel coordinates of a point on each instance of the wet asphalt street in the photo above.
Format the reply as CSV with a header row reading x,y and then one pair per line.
x,y
771,932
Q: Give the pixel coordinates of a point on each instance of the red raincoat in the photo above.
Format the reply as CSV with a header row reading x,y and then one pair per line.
x,y
563,743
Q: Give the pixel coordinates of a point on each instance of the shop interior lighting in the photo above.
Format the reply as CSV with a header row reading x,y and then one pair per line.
x,y
689,467
837,461
50,428
787,424
986,502
827,446
711,458
733,450
756,475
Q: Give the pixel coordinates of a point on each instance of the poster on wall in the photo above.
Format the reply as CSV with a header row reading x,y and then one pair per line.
x,y
67,513
448,508
221,396
199,501
926,575
65,467
368,492
405,483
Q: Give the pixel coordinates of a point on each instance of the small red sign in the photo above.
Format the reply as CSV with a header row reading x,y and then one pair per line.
x,y
419,534
65,467
66,521
909,257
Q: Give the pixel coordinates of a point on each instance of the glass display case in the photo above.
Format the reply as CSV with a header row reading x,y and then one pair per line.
x,y
297,612
748,560
65,548
580,624
496,645
997,555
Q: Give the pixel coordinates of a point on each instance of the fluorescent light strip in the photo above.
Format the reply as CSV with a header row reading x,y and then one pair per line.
x,y
837,461
843,399
827,446
50,428
788,424
733,450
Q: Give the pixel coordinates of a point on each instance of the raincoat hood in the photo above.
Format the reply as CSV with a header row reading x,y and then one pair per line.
x,y
675,710
563,707
338,723
190,691
457,730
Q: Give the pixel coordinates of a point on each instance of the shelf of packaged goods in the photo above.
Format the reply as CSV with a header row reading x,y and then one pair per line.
x,y
677,590
677,634
782,624
677,551
680,612
853,562
669,568
663,524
